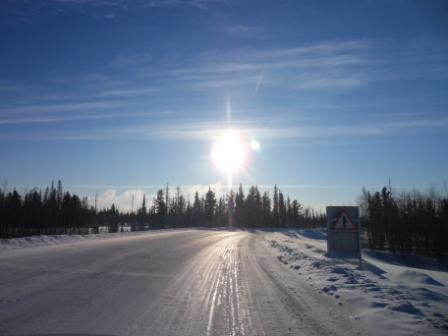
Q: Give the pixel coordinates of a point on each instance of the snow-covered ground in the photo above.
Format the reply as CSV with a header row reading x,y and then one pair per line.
x,y
384,296
48,240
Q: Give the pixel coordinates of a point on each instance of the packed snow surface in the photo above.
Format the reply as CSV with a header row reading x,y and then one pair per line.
x,y
384,296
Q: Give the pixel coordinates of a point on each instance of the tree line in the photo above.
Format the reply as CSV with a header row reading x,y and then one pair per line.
x,y
409,222
54,211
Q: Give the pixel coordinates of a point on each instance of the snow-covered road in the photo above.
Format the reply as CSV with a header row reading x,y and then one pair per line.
x,y
181,282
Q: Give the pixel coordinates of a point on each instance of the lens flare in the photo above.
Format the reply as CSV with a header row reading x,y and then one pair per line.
x,y
255,145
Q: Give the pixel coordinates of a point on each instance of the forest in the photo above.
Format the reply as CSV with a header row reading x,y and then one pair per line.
x,y
54,211
406,222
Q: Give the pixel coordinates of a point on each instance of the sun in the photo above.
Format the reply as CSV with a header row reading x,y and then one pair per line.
x,y
229,153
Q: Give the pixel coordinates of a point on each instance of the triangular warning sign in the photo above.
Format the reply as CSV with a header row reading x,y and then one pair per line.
x,y
343,222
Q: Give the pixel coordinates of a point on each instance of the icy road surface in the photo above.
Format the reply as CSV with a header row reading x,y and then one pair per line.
x,y
181,282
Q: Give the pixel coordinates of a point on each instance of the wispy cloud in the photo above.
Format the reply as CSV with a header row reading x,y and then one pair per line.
x,y
43,119
43,107
239,29
205,131
109,16
209,131
320,48
201,4
31,12
124,92
60,108
321,65
325,65
342,65
347,82
133,60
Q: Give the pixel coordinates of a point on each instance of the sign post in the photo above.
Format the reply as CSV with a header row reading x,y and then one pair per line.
x,y
343,232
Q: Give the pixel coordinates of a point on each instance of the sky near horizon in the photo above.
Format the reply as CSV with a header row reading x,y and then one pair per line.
x,y
121,97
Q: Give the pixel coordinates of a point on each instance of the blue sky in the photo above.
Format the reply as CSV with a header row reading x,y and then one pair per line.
x,y
119,98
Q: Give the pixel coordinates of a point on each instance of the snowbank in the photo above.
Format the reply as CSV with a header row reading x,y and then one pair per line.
x,y
47,240
386,298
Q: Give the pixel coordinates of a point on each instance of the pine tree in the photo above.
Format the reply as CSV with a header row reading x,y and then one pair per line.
x,y
240,218
253,207
59,195
210,207
230,209
142,211
197,210
221,212
160,209
266,210
296,212
281,210
275,209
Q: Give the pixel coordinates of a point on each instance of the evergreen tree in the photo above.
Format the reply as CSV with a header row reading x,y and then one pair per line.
x,y
253,207
240,219
275,209
210,207
221,212
160,209
197,210
296,213
266,210
230,209
281,209
142,211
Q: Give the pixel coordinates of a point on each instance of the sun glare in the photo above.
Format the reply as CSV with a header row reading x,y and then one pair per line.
x,y
229,153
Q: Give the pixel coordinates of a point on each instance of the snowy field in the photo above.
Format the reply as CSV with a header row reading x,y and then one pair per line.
x,y
385,296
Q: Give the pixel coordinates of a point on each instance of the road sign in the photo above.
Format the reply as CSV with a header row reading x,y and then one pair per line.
x,y
343,230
